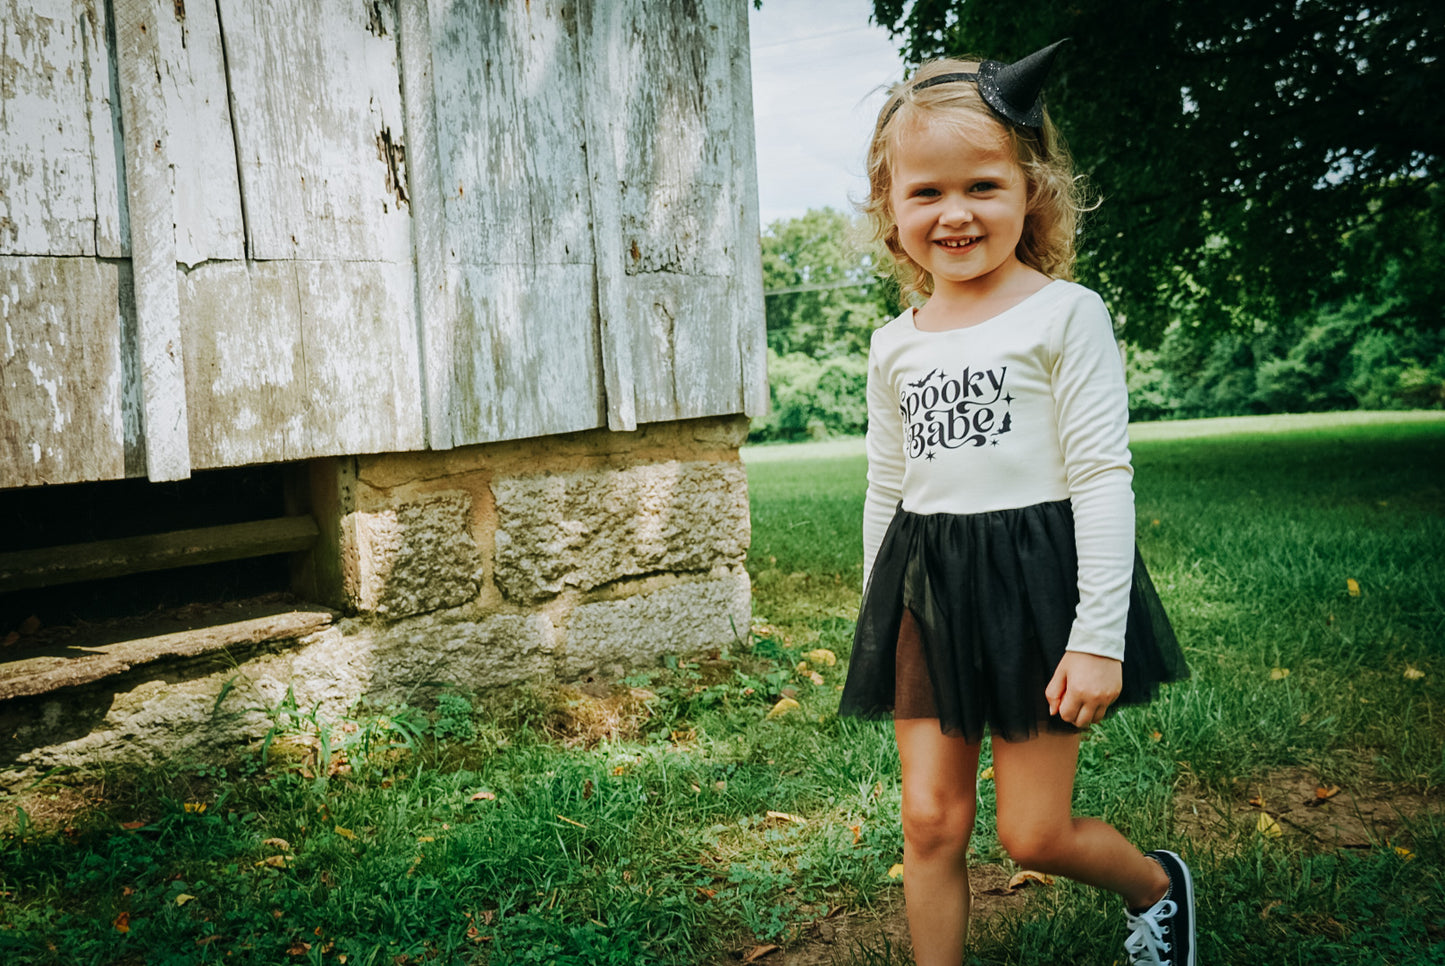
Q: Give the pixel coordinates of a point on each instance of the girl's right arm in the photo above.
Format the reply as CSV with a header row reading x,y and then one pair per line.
x,y
885,461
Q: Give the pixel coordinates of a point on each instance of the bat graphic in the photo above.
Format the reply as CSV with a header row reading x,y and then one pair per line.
x,y
920,383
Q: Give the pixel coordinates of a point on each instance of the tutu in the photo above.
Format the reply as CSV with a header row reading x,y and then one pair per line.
x,y
966,616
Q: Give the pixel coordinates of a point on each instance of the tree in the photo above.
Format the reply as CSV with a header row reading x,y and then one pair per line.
x,y
1241,148
822,294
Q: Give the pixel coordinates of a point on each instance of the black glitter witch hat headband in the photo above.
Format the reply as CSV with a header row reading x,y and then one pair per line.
x,y
1012,90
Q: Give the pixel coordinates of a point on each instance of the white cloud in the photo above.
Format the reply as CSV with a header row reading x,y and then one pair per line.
x,y
819,67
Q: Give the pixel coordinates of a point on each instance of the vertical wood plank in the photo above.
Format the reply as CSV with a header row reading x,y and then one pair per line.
x,y
61,370
747,279
47,189
596,34
316,99
107,153
424,175
153,239
510,126
202,148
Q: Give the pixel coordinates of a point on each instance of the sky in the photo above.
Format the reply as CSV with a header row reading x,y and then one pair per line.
x,y
819,67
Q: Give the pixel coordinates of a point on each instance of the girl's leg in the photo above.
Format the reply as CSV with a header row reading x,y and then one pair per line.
x,y
940,775
1034,782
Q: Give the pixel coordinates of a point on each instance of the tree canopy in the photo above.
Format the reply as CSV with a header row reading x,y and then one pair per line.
x,y
1253,158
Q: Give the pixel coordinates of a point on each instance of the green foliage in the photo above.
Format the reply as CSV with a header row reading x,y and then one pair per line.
x,y
814,398
1239,146
1355,355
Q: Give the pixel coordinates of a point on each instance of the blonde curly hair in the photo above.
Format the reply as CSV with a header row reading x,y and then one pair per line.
x,y
1056,196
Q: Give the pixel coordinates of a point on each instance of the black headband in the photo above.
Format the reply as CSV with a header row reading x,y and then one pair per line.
x,y
1012,90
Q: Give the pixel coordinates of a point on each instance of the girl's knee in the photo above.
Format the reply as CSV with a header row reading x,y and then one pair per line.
x,y
934,824
1033,846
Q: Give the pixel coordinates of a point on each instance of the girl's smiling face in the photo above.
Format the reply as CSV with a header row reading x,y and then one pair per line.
x,y
959,199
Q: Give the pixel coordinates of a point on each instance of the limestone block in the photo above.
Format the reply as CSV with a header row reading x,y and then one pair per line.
x,y
616,635
417,557
727,431
589,527
428,651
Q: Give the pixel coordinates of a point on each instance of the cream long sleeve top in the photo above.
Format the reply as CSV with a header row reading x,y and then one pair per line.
x,y
1027,407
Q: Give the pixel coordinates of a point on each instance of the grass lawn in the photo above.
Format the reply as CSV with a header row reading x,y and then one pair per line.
x,y
670,819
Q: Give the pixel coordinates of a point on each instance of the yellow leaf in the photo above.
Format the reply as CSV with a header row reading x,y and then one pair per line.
x,y
122,922
280,844
1353,586
1412,673
1278,673
1153,523
1268,827
822,656
1404,853
816,678
196,807
345,833
182,899
895,871
986,775
1157,736
802,667
1020,879
276,861
486,796
783,706
426,838
785,817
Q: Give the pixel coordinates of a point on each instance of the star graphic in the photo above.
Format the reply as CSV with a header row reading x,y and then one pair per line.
x,y
994,442
1008,398
928,455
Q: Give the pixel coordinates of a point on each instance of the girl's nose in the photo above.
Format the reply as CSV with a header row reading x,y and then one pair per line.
x,y
956,212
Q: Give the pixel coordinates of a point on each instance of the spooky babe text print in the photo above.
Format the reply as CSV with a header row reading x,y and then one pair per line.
x,y
946,411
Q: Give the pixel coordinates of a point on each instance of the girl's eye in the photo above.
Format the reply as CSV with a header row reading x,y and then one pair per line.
x,y
926,193
985,186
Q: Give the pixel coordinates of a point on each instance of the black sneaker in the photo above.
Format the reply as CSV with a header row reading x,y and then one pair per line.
x,y
1163,934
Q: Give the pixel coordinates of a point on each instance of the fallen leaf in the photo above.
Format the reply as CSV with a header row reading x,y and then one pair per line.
x,y
1020,879
616,770
132,826
1404,853
1323,793
207,940
1412,673
279,844
485,796
703,895
1278,673
426,838
822,656
1268,827
1257,801
986,775
345,833
571,821
195,808
1157,736
785,817
783,706
298,949
183,898
122,922
857,831
758,952
802,667
895,871
816,678
1352,586
1153,523
276,861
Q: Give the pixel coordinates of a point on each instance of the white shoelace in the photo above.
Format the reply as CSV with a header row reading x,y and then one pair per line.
x,y
1146,935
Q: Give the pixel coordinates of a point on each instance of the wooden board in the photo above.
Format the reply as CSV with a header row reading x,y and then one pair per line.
x,y
521,333
681,219
299,359
47,185
316,104
61,373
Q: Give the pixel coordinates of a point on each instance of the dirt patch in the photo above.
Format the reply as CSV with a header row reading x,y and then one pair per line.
x,y
1292,804
846,936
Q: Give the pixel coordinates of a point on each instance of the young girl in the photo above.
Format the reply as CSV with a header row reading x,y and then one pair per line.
x,y
1003,589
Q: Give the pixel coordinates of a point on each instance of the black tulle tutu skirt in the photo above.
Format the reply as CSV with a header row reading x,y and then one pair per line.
x,y
966,616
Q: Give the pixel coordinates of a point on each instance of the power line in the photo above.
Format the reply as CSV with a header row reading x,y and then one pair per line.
x,y
818,288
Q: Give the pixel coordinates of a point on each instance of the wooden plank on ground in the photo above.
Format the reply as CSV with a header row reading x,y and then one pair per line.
x,y
61,370
74,563
149,193
522,327
47,188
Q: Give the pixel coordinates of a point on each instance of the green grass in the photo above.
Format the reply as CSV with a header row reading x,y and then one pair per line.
x,y
550,827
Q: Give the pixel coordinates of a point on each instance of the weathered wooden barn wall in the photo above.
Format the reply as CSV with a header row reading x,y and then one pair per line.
x,y
242,231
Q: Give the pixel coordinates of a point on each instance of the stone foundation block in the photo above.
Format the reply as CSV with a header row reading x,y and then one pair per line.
x,y
615,636
417,558
587,528
423,653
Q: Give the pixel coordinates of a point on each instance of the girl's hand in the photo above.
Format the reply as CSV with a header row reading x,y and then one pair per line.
x,y
1083,688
